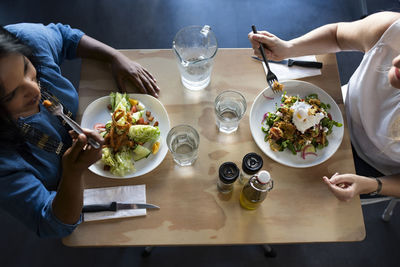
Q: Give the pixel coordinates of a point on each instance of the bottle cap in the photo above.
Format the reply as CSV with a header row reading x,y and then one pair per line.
x,y
252,163
228,172
263,177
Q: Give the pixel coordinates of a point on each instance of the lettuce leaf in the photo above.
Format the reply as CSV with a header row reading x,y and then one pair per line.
x,y
120,101
143,133
121,162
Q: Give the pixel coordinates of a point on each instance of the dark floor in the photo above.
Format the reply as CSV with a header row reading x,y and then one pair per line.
x,y
153,24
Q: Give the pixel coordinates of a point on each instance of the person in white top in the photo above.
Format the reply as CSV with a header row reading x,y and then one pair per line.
x,y
373,97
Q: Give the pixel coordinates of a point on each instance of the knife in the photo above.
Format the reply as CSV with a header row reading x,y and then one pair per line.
x,y
292,62
114,206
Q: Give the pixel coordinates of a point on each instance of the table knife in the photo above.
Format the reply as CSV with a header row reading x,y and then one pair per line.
x,y
293,62
114,206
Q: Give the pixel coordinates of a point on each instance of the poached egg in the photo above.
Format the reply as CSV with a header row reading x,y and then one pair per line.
x,y
303,116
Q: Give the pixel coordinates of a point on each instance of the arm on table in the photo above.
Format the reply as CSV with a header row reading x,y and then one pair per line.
x,y
121,66
359,35
347,186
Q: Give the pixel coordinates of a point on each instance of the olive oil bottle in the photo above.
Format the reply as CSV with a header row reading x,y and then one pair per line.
x,y
255,190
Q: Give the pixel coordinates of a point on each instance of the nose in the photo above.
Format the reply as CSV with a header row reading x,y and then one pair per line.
x,y
31,88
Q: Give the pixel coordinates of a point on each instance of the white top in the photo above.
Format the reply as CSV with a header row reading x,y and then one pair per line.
x,y
263,177
373,106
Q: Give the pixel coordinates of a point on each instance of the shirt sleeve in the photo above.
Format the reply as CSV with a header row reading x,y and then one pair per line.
x,y
25,197
53,41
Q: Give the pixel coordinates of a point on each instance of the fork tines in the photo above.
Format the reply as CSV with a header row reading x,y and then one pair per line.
x,y
47,96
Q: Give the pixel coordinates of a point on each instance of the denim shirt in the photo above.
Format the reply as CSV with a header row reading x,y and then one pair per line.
x,y
28,182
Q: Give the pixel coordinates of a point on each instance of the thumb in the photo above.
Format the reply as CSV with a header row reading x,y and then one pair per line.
x,y
339,179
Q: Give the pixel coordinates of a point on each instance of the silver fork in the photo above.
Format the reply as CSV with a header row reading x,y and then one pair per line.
x,y
271,77
57,109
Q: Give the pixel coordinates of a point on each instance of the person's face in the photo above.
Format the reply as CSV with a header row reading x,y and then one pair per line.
x,y
20,92
394,73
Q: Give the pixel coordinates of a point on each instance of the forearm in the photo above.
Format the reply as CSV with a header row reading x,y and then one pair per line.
x,y
67,204
319,41
91,48
390,185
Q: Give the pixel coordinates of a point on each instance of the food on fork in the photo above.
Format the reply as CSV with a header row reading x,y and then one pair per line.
x,y
299,125
47,103
131,135
276,86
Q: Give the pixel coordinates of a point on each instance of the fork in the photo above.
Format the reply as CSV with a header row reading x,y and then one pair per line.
x,y
271,77
57,109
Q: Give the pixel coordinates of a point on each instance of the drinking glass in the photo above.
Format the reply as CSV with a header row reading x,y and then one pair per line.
x,y
230,107
195,48
183,142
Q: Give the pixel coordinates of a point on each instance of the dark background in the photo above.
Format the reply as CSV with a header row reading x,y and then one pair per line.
x,y
129,24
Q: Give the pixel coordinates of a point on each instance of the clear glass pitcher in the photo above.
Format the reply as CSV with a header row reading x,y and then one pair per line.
x,y
195,48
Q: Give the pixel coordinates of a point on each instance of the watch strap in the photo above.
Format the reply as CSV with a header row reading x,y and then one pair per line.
x,y
378,190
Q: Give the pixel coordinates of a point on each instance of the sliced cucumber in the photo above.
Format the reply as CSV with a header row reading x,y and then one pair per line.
x,y
309,148
140,152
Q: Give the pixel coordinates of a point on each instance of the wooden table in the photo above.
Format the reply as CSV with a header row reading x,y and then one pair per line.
x,y
299,209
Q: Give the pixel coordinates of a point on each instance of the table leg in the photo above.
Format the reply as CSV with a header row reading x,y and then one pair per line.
x,y
269,251
147,251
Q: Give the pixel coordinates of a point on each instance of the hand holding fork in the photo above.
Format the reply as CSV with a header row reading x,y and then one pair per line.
x,y
271,77
57,109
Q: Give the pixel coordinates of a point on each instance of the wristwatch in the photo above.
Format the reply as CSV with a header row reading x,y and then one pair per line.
x,y
378,190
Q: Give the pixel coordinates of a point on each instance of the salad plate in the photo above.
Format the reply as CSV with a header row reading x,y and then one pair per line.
x,y
98,112
267,101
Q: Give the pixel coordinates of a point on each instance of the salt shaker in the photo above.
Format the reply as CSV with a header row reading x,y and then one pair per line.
x,y
228,173
251,164
255,190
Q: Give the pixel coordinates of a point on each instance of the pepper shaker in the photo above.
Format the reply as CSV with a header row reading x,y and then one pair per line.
x,y
251,164
228,173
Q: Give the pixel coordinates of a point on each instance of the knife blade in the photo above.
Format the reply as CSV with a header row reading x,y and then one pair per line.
x,y
114,206
300,63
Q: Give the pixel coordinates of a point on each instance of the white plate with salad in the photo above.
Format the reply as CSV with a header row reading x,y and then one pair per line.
x,y
136,144
318,129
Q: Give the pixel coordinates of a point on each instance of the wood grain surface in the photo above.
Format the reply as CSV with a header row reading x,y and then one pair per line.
x,y
299,209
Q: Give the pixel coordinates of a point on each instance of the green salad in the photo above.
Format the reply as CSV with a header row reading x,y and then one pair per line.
x,y
131,135
299,125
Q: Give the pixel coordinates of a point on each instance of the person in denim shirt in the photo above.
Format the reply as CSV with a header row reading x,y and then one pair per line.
x,y
41,161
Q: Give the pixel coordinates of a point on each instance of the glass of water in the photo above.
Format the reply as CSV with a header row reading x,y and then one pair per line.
x,y
183,142
195,48
230,107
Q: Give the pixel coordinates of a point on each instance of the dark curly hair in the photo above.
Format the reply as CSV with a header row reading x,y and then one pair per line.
x,y
9,131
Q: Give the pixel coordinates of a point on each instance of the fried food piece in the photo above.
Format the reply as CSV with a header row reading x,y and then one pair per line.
x,y
47,103
277,86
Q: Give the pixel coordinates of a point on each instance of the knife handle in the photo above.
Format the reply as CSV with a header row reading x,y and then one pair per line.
x,y
307,64
100,207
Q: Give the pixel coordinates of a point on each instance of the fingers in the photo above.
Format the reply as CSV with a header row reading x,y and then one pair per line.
x,y
77,146
340,186
141,79
145,83
120,83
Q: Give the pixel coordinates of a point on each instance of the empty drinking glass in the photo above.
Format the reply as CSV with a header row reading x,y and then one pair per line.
x,y
195,48
183,142
230,106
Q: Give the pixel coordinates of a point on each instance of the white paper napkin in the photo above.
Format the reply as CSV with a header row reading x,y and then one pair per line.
x,y
125,194
283,72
